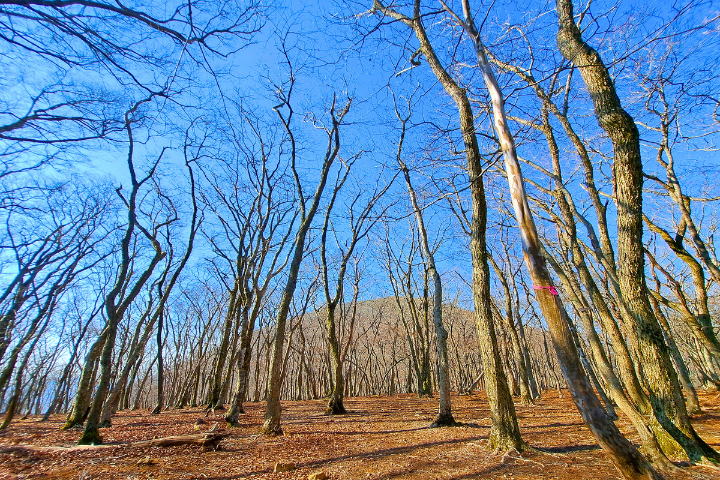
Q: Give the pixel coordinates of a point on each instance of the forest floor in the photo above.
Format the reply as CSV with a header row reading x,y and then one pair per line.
x,y
380,438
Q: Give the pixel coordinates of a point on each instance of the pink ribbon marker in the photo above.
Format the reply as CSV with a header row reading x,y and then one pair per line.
x,y
550,289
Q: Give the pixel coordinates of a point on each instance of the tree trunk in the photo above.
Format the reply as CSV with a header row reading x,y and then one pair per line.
x,y
83,396
273,409
505,433
518,356
141,385
659,375
335,404
623,454
218,377
91,435
445,417
244,360
692,402
160,367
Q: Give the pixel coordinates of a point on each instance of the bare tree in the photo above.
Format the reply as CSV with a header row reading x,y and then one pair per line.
x,y
505,433
660,376
626,458
285,112
127,286
445,417
360,223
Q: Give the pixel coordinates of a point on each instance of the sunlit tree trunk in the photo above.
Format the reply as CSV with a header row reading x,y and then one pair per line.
x,y
505,432
445,416
623,454
658,372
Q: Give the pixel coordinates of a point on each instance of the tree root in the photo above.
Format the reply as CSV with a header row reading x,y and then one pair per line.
x,y
445,420
91,437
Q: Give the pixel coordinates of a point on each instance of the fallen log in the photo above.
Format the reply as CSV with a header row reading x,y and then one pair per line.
x,y
27,448
207,440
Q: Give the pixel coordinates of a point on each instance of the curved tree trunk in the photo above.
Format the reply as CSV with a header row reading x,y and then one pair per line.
x,y
83,396
658,372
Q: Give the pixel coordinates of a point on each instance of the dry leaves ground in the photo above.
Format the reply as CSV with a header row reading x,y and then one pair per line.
x,y
380,438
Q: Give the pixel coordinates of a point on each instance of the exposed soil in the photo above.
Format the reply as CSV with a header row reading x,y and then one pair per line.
x,y
379,438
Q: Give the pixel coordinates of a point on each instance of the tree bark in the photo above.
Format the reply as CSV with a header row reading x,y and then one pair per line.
x,y
505,432
160,367
524,379
445,416
623,454
83,396
659,375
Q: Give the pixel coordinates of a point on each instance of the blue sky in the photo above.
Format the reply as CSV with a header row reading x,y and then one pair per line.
x,y
329,55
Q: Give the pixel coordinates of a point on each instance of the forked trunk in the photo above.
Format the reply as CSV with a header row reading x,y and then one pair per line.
x,y
83,396
273,409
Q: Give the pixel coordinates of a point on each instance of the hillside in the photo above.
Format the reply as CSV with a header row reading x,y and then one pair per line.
x,y
379,357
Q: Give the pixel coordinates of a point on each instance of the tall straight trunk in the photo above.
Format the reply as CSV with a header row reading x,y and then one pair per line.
x,y
127,391
445,416
505,432
244,360
336,403
534,390
141,385
230,372
646,334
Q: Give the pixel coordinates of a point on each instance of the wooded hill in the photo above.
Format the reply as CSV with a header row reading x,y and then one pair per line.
x,y
386,351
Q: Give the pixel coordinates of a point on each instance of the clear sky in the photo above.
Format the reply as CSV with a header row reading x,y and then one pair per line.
x,y
336,47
